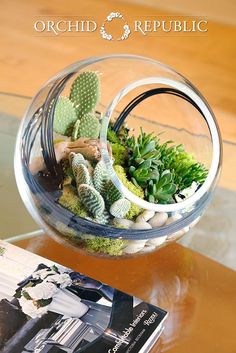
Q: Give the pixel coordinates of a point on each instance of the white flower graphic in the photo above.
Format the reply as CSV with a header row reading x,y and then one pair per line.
x,y
63,280
109,18
30,309
44,290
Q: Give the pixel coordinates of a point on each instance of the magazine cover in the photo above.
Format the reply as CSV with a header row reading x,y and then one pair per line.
x,y
45,307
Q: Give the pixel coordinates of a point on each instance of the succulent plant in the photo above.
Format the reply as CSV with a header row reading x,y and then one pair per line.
x,y
184,166
100,177
162,169
85,92
64,116
120,208
70,200
91,199
82,175
89,126
162,189
144,160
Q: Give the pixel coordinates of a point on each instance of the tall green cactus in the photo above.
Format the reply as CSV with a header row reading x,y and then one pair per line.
x,y
85,92
64,116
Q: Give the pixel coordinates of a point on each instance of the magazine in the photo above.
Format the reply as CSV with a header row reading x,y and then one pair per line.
x,y
45,307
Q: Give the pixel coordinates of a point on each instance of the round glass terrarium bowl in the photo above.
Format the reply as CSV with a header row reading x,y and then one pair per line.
x,y
135,92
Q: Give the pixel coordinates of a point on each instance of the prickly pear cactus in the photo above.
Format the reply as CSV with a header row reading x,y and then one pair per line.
x,y
112,193
64,116
89,127
85,92
91,199
82,175
100,177
120,208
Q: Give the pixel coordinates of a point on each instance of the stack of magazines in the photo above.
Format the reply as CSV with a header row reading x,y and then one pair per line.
x,y
45,307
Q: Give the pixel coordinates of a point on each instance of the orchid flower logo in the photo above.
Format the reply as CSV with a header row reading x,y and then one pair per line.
x,y
111,17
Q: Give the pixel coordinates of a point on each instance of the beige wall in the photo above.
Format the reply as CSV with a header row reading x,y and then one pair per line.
x,y
218,10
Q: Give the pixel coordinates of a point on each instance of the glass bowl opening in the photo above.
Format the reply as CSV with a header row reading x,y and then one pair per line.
x,y
184,118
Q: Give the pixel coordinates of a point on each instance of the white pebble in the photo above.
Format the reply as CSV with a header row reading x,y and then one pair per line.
x,y
148,248
158,220
123,223
179,233
145,216
141,225
173,218
157,241
134,246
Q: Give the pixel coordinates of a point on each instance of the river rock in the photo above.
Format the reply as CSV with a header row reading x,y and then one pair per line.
x,y
145,216
158,220
148,248
157,241
134,246
141,225
123,223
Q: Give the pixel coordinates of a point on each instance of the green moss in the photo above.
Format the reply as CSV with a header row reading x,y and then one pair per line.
x,y
135,210
70,200
112,247
112,136
119,153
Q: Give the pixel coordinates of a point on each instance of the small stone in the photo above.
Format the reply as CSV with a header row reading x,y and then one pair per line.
x,y
145,216
134,246
173,218
178,234
148,248
157,241
122,223
158,220
141,225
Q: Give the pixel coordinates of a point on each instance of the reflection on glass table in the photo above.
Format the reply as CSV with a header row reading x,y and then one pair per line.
x,y
213,236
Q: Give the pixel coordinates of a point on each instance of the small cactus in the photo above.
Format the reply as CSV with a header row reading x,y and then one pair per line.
x,y
112,193
103,218
89,126
70,200
64,116
82,175
120,208
100,177
76,159
85,92
91,199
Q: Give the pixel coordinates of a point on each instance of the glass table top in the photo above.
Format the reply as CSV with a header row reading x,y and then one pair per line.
x,y
214,236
